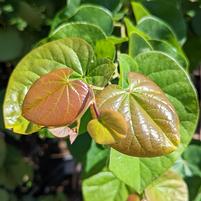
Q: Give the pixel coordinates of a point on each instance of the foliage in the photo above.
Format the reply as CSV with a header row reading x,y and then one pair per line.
x,y
124,81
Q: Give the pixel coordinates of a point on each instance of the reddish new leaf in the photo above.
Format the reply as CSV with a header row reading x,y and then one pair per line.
x,y
64,131
56,100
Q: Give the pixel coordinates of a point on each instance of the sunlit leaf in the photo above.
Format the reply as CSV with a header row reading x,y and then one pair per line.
x,y
73,53
167,188
55,99
108,128
89,32
163,71
139,11
104,186
153,122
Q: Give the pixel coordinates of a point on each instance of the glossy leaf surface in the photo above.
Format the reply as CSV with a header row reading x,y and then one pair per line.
x,y
69,52
55,99
153,122
108,128
163,71
104,186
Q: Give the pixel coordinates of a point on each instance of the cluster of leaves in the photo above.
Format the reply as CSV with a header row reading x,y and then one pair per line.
x,y
151,98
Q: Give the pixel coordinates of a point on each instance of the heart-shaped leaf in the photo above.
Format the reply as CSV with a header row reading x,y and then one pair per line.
x,y
56,100
97,15
89,32
153,122
164,71
108,128
73,53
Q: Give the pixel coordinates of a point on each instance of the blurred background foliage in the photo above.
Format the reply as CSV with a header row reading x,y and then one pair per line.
x,y
24,175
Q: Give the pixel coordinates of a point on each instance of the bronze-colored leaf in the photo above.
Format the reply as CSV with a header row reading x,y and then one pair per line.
x,y
153,122
108,128
56,100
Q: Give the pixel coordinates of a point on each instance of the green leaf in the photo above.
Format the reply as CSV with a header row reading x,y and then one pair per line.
x,y
105,49
192,155
174,18
190,47
96,159
194,186
96,15
89,32
11,44
126,64
99,72
139,11
113,5
14,169
108,128
104,186
4,195
174,81
157,29
2,151
80,147
167,188
138,44
131,28
65,13
152,120
2,94
169,49
69,52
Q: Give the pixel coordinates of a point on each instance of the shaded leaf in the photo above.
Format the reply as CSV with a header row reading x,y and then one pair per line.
x,y
14,163
2,151
167,188
138,44
96,15
153,122
11,44
56,100
175,19
108,128
157,29
104,186
96,159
